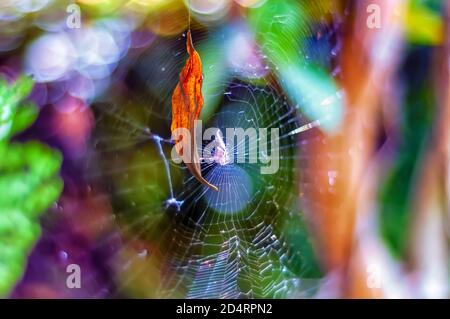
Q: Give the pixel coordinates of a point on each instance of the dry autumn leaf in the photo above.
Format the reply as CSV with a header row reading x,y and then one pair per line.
x,y
187,103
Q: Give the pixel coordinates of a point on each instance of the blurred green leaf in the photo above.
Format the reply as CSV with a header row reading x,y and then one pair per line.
x,y
24,117
280,28
29,182
214,71
398,184
10,96
424,25
304,261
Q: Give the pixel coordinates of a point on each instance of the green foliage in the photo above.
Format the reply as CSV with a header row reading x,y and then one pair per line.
x,y
29,182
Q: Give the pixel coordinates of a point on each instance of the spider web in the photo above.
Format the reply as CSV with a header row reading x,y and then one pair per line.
x,y
236,243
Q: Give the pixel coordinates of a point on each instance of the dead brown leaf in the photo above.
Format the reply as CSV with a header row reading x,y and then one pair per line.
x,y
187,103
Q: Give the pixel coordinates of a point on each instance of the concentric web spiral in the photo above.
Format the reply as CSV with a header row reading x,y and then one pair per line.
x,y
246,241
